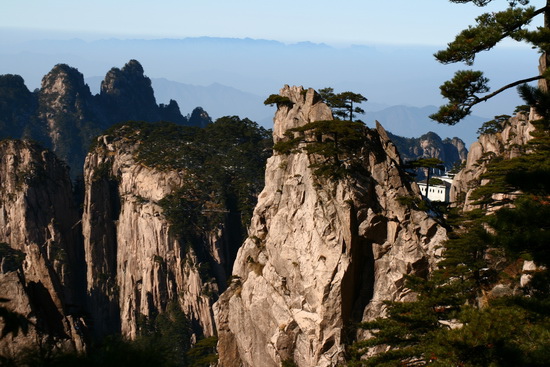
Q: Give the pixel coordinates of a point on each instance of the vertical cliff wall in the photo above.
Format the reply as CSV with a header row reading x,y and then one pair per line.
x,y
506,143
41,255
136,264
321,254
66,108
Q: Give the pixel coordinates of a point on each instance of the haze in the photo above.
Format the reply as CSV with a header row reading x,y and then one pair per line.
x,y
380,49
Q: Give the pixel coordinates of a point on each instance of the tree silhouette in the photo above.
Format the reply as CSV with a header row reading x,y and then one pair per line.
x,y
342,104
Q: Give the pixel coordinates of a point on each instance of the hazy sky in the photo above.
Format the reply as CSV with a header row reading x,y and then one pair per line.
x,y
399,36
345,22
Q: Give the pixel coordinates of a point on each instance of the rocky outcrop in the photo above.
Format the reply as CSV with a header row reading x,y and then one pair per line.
x,y
126,94
506,143
171,112
430,145
199,117
41,257
321,254
64,116
17,106
67,110
136,264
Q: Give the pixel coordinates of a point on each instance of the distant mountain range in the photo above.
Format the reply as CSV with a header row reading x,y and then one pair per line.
x,y
385,74
66,113
410,122
64,116
220,100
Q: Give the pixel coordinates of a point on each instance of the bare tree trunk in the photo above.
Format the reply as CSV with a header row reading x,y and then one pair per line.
x,y
544,60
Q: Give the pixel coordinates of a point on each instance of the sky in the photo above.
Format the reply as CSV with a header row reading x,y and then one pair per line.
x,y
342,22
394,64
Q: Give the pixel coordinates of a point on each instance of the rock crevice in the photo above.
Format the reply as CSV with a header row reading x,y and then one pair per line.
x,y
320,253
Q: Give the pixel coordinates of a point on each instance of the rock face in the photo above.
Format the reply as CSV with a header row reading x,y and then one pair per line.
x,y
320,254
126,94
506,144
41,258
67,110
199,117
136,266
64,116
17,106
430,145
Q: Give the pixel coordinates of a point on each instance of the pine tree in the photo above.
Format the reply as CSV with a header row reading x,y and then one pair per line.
x,y
459,317
464,89
342,104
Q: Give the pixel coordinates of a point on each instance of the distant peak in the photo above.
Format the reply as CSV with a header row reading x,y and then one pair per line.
x,y
133,66
68,74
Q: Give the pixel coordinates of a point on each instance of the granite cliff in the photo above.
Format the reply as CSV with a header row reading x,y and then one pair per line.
x,y
41,259
135,264
321,254
508,141
165,211
64,116
430,145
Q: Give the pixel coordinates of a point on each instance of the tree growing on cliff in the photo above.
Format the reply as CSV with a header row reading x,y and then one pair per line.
x,y
469,87
336,142
472,310
343,105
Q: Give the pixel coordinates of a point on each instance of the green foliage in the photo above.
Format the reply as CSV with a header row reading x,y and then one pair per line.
x,y
463,91
169,333
338,144
203,353
436,181
288,363
493,126
426,163
278,100
112,352
342,104
536,98
458,319
103,170
523,229
163,340
490,29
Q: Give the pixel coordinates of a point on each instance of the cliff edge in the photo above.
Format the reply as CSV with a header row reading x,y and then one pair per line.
x,y
321,254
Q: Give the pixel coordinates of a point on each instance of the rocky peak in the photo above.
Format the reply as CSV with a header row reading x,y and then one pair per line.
x,y
506,143
65,82
321,254
199,117
67,110
459,145
17,106
127,94
137,262
430,145
303,108
171,112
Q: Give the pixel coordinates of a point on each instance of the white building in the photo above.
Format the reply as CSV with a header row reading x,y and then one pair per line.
x,y
437,192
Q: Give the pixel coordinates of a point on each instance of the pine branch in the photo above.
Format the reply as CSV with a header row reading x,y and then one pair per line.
x,y
508,86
